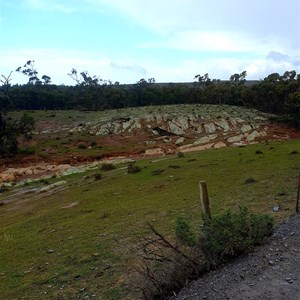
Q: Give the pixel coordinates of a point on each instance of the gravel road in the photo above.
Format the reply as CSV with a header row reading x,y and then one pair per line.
x,y
271,272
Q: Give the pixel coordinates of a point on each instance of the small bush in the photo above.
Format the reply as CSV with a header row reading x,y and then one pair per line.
x,y
82,146
250,180
183,233
107,167
44,181
98,176
294,152
3,189
258,152
132,169
232,234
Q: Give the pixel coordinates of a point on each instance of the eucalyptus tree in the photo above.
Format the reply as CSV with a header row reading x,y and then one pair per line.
x,y
91,89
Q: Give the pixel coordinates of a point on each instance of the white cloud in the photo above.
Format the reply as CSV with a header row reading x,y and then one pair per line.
x,y
262,22
217,41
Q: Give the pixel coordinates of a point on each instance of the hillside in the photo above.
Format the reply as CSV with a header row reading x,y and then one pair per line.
x,y
67,138
71,215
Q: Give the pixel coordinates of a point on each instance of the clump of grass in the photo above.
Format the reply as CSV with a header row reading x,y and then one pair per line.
x,y
104,215
294,152
250,180
258,152
174,166
157,172
82,146
97,176
107,167
132,168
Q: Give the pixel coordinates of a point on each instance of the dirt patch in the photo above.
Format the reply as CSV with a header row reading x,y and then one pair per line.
x,y
271,272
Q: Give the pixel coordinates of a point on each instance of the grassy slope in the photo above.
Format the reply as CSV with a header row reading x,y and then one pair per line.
x,y
91,240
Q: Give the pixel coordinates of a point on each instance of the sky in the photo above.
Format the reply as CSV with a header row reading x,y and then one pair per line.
x,y
169,40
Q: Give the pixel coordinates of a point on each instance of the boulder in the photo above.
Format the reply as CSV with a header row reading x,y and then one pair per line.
x,y
252,136
246,128
179,141
219,145
210,127
202,140
235,139
174,128
223,124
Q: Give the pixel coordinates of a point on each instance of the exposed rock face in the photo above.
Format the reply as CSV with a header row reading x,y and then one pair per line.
x,y
218,126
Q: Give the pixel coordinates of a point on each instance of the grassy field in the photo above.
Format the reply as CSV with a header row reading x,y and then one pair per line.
x,y
77,243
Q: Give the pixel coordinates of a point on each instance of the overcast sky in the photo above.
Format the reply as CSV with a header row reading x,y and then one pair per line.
x,y
170,40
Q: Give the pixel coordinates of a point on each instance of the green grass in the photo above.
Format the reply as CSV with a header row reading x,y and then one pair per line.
x,y
93,240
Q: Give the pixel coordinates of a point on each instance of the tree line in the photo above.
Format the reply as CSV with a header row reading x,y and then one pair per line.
x,y
279,94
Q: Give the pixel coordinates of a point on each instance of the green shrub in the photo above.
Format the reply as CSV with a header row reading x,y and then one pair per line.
x,y
232,234
97,176
3,189
107,167
132,169
250,180
82,146
183,233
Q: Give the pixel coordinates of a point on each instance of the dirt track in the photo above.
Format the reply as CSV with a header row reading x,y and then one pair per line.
x,y
271,272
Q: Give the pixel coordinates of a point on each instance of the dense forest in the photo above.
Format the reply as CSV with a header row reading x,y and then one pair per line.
x,y
279,94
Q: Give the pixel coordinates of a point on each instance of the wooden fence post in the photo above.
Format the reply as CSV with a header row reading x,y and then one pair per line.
x,y
204,199
298,195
